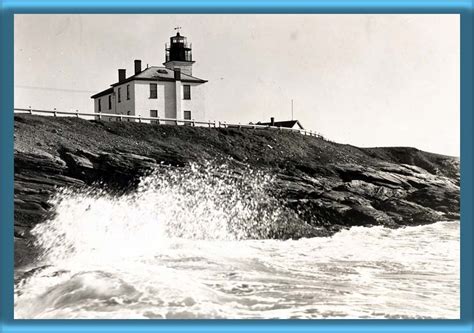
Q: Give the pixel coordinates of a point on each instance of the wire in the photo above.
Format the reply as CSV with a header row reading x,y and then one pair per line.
x,y
54,89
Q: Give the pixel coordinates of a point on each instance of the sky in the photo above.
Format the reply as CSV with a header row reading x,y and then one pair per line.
x,y
367,80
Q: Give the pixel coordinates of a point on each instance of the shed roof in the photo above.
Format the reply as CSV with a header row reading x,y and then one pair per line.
x,y
285,123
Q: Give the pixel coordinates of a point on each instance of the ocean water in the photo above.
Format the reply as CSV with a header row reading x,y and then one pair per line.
x,y
192,244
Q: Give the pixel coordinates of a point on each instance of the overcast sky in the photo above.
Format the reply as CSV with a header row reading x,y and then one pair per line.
x,y
366,80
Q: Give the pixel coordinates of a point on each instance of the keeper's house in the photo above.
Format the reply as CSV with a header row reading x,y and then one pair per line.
x,y
158,92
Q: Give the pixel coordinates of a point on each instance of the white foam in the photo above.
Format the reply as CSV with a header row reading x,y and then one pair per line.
x,y
186,245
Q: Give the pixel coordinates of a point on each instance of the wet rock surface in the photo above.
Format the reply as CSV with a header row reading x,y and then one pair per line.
x,y
330,186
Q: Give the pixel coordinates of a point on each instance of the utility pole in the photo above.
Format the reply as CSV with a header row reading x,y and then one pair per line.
x,y
291,109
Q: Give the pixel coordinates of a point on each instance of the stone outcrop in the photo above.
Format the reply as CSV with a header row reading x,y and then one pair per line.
x,y
330,186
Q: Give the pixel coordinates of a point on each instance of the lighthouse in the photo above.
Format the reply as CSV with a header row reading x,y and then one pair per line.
x,y
178,54
170,92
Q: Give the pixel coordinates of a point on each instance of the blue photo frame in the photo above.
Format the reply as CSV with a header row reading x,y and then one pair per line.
x,y
10,7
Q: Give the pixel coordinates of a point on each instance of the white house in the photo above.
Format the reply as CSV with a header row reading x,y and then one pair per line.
x,y
161,92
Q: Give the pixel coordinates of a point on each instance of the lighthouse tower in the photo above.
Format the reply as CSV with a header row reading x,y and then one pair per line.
x,y
178,54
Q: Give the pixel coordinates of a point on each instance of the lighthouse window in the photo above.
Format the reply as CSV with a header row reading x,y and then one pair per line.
x,y
188,56
187,115
154,113
186,91
153,90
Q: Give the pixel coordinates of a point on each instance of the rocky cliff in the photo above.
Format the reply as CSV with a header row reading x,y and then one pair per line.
x,y
330,186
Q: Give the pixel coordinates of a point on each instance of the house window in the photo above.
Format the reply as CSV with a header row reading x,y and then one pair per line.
x,y
100,106
110,102
154,113
119,97
187,115
153,90
186,91
128,91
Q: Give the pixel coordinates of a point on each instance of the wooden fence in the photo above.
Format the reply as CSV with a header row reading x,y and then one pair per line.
x,y
157,120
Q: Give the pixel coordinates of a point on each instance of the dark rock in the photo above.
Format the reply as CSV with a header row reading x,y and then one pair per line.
x,y
326,186
408,213
20,232
440,198
38,160
24,251
77,162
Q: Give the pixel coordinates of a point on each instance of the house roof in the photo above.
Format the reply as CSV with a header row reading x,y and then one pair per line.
x,y
285,123
103,93
155,73
160,74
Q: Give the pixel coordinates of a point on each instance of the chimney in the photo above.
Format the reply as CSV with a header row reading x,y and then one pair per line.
x,y
122,75
272,121
138,66
177,74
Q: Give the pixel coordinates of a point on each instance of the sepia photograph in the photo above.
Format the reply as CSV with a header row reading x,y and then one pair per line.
x,y
236,166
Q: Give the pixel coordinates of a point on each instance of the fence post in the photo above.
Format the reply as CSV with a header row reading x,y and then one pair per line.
x,y
209,123
31,110
214,123
100,116
121,118
158,120
194,123
219,124
77,113
55,114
